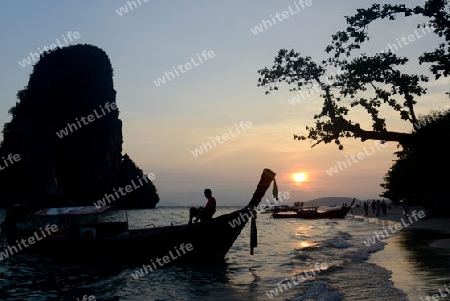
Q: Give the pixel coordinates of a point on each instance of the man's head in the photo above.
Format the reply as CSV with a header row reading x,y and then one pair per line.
x,y
208,192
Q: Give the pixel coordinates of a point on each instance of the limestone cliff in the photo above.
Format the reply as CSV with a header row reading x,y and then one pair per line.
x,y
66,130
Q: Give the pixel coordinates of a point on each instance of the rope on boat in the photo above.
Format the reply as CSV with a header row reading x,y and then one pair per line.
x,y
275,189
253,234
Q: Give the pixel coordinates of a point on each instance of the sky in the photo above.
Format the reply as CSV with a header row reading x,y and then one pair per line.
x,y
164,123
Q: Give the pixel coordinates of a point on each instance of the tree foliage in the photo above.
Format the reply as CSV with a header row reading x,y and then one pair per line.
x,y
419,174
371,82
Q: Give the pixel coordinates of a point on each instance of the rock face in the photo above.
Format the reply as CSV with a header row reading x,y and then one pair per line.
x,y
67,132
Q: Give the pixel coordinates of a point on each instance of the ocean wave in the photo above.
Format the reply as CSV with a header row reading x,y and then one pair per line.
x,y
321,291
338,243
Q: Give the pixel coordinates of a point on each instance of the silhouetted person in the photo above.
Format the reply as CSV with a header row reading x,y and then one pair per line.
x,y
366,208
383,207
374,206
378,208
204,213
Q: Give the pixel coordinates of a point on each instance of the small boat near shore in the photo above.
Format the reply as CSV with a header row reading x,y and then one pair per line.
x,y
285,208
313,213
78,234
280,208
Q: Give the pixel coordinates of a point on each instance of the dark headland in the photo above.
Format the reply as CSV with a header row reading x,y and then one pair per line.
x,y
63,145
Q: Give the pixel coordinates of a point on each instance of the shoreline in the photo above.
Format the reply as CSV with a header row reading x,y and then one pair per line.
x,y
394,215
413,256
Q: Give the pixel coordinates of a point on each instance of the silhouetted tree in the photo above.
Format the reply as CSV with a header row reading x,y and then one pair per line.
x,y
418,176
374,82
367,81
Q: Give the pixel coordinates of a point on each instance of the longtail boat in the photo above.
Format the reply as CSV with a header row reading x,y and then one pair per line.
x,y
312,213
113,241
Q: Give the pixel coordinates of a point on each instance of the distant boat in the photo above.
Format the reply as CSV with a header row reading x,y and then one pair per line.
x,y
313,213
285,208
280,208
113,241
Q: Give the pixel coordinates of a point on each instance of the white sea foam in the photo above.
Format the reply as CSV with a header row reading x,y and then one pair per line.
x,y
321,291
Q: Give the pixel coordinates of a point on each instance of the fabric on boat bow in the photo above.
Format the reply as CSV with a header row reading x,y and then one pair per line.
x,y
266,178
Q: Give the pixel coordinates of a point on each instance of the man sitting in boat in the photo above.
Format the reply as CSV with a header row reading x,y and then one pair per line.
x,y
204,213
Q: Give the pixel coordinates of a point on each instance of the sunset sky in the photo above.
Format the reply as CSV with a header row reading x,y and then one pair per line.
x,y
164,123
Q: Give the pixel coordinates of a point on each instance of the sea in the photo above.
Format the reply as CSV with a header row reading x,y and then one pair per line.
x,y
295,259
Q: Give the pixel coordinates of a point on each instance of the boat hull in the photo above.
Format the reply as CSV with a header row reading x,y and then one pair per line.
x,y
209,240
340,213
114,242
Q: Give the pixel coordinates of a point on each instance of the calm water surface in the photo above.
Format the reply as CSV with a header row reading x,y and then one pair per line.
x,y
286,248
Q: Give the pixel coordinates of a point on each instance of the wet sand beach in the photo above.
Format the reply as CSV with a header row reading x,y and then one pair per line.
x,y
418,255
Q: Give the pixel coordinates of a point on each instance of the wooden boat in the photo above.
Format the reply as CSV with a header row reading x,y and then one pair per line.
x,y
280,208
313,213
113,241
285,208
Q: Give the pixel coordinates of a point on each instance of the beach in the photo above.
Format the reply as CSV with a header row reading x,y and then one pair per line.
x,y
395,215
417,255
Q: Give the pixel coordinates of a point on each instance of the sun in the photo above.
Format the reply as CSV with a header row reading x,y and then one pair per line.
x,y
299,177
